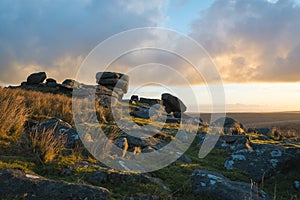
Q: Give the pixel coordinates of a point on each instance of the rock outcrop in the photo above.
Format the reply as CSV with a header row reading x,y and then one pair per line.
x,y
216,186
36,78
264,161
50,82
230,126
59,127
111,87
230,142
16,184
113,80
172,103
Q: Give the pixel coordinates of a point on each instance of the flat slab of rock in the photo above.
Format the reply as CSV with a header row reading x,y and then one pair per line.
x,y
118,83
229,142
18,184
263,161
218,187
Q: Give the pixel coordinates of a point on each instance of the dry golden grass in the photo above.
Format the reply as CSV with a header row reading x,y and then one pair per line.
x,y
13,116
42,105
46,145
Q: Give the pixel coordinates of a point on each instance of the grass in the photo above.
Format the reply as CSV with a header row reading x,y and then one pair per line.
x,y
46,145
40,106
44,154
12,118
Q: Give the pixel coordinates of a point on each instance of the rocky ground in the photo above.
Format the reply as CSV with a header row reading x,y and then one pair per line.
x,y
48,160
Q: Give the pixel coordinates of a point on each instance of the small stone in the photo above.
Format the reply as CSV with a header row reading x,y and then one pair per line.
x,y
297,185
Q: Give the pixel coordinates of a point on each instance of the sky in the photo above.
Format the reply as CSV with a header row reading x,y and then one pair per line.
x,y
254,44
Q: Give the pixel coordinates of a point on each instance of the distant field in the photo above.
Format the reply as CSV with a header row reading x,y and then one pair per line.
x,y
282,120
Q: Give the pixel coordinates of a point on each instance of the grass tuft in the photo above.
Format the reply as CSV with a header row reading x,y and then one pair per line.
x,y
13,116
46,145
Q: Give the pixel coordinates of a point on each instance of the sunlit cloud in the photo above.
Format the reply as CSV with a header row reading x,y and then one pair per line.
x,y
252,41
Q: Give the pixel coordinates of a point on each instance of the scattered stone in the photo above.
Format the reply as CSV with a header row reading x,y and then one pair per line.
x,y
70,83
141,142
171,120
218,187
177,115
263,161
50,82
36,78
185,159
59,127
143,113
142,197
134,98
230,142
172,103
23,84
230,126
16,184
264,131
150,102
115,177
297,185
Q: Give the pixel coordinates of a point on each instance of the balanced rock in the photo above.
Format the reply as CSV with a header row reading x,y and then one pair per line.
x,y
111,75
172,103
36,78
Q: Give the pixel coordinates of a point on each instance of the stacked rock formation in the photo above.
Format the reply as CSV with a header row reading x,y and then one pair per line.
x,y
111,87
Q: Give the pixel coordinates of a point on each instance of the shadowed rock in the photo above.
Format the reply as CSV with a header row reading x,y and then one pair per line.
x,y
59,127
172,103
50,82
218,187
230,126
150,102
36,78
264,161
111,75
16,184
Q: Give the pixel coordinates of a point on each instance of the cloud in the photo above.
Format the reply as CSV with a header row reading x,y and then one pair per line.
x,y
55,36
252,41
